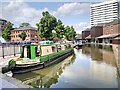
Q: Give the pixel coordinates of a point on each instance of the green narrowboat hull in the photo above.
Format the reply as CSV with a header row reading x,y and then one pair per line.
x,y
44,62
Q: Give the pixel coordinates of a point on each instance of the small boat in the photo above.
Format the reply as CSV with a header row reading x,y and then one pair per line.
x,y
37,56
78,45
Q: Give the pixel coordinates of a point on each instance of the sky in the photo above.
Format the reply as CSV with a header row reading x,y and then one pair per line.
x,y
76,14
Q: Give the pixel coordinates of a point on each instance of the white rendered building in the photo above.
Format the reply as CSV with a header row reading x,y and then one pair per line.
x,y
104,12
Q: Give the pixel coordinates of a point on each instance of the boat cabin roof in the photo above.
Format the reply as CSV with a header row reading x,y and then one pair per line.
x,y
52,44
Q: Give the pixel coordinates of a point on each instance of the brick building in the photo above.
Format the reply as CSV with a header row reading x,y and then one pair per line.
x,y
31,33
116,39
85,33
95,32
112,27
110,30
2,25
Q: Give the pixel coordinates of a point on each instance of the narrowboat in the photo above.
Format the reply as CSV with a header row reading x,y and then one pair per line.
x,y
37,56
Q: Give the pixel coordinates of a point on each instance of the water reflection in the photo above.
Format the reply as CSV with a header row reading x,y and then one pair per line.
x,y
100,53
47,76
90,67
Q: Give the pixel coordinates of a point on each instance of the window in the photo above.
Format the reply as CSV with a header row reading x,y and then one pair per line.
x,y
53,49
37,51
58,48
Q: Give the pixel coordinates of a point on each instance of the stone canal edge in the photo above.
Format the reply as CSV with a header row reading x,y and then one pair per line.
x,y
11,82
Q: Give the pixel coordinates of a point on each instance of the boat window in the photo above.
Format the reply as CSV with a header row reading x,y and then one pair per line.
x,y
37,51
53,49
28,52
22,54
62,47
65,46
25,52
59,48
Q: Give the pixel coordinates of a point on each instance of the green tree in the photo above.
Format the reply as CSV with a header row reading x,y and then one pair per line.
x,y
59,29
73,32
70,33
47,23
24,24
7,31
22,35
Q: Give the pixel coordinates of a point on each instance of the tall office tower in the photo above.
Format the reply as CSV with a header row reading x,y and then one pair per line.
x,y
104,12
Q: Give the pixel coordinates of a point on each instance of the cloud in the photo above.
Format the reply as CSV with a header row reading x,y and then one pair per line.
x,y
18,12
72,9
81,26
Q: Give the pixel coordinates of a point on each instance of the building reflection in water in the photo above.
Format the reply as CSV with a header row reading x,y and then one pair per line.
x,y
103,58
100,53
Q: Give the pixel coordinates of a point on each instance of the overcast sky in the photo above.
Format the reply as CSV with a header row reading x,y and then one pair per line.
x,y
71,13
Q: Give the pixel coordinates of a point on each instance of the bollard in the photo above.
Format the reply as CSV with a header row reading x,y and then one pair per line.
x,y
3,51
14,50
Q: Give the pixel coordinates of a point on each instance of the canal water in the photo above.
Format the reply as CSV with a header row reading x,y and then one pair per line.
x,y
90,67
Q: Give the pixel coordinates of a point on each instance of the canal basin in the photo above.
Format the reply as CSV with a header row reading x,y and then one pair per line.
x,y
90,67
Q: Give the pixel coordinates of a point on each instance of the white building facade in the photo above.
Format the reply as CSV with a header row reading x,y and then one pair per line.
x,y
104,12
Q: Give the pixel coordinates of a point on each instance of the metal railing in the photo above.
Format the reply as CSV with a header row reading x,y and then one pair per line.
x,y
8,49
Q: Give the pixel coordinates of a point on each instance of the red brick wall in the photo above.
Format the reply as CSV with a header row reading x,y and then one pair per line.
x,y
96,31
116,41
111,29
29,32
33,33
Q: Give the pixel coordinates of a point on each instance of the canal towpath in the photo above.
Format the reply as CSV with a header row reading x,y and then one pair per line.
x,y
4,61
9,82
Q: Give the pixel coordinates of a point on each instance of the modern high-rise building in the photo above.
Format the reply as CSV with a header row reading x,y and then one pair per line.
x,y
104,12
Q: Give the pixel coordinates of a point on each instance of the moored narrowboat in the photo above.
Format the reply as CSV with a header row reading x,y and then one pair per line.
x,y
37,56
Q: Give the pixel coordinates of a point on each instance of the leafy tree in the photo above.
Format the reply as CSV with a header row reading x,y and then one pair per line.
x,y
59,29
70,33
73,32
7,31
47,23
22,35
24,24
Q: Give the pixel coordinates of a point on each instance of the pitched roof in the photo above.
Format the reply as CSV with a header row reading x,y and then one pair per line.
x,y
88,37
25,28
108,36
88,29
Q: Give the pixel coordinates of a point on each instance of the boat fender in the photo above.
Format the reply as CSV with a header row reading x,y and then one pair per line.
x,y
11,64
